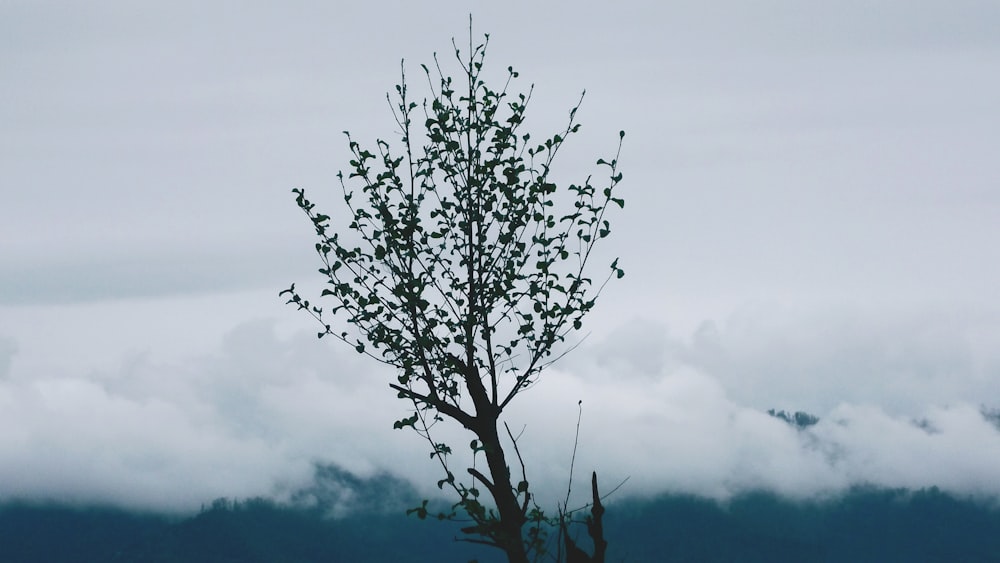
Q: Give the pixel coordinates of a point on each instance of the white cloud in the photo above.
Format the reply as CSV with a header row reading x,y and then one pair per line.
x,y
953,448
698,424
252,416
248,419
899,359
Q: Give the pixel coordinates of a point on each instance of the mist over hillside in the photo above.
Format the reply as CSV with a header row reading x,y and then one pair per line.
x,y
343,517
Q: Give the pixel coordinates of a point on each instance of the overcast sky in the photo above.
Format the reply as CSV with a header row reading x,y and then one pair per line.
x,y
813,194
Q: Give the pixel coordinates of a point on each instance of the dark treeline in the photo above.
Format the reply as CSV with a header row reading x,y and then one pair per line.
x,y
249,531
862,525
865,524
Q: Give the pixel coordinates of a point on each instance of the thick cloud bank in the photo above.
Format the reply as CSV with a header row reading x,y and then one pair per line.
x,y
255,415
819,156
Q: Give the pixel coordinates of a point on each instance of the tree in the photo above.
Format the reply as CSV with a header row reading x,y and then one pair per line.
x,y
462,266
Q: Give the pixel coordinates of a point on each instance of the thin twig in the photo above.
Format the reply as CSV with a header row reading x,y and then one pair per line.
x,y
576,441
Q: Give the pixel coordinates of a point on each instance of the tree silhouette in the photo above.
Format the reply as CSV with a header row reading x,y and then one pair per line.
x,y
462,265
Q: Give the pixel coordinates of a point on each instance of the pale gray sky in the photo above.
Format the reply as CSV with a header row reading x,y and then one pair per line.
x,y
811,223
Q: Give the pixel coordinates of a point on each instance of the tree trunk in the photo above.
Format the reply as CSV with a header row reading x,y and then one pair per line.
x,y
595,529
512,519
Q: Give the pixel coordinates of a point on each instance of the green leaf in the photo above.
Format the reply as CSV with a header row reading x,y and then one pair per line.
x,y
403,423
449,479
420,511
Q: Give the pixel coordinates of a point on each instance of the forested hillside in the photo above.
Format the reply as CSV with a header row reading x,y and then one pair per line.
x,y
863,525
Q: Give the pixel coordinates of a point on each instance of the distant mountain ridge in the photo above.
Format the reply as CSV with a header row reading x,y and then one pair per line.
x,y
797,419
